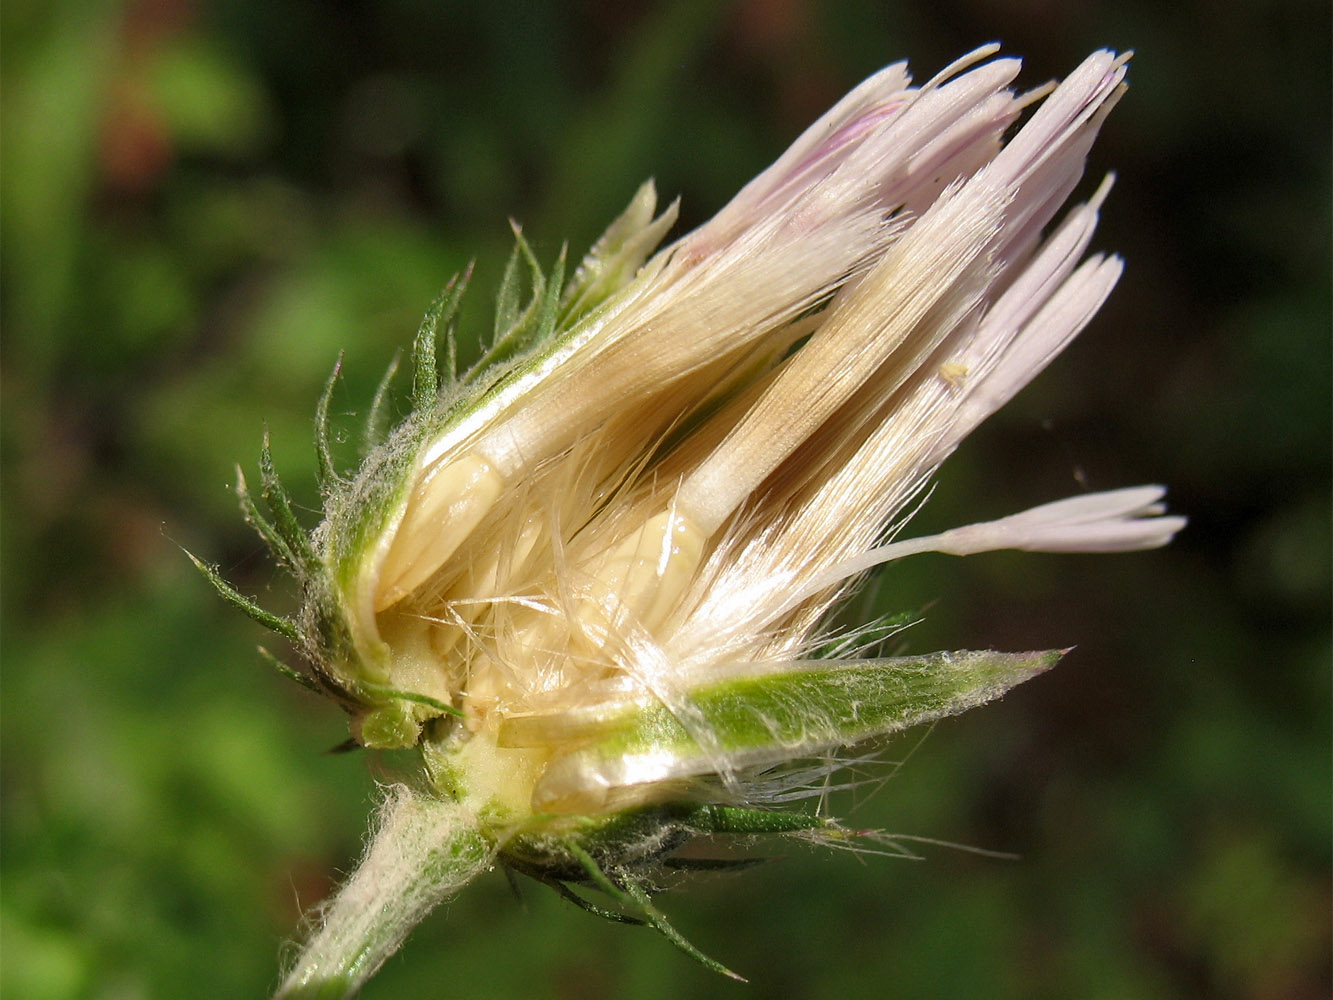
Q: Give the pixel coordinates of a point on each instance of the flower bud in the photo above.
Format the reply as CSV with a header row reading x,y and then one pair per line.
x,y
590,580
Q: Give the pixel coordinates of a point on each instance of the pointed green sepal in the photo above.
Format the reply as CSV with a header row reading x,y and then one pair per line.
x,y
280,507
377,420
328,475
451,355
508,300
548,308
425,369
291,673
634,896
517,330
276,544
597,911
762,715
285,627
618,254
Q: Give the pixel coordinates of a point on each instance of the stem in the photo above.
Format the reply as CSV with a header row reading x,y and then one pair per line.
x,y
424,850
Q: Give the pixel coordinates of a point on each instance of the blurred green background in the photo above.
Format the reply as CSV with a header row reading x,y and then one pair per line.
x,y
204,202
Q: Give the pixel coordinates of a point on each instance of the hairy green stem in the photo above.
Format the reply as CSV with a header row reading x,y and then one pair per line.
x,y
423,851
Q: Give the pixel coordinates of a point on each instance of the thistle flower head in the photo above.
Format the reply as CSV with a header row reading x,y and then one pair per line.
x,y
591,578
